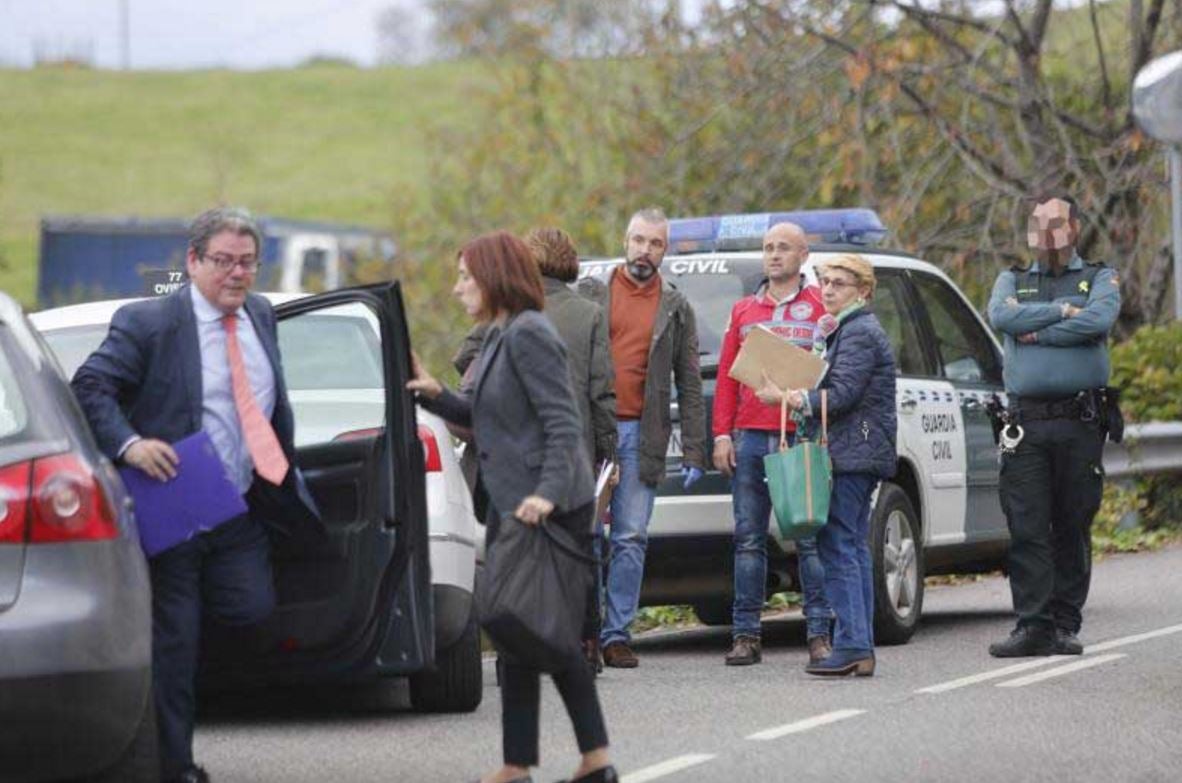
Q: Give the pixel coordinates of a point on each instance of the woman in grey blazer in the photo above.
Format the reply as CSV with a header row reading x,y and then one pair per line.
x,y
528,436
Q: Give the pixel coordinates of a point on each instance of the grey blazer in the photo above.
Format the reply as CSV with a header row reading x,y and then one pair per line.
x,y
522,412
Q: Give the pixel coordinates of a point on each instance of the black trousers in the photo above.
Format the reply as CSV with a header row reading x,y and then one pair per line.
x,y
224,576
1051,488
521,693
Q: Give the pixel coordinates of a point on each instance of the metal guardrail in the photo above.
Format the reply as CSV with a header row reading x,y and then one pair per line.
x,y
1155,447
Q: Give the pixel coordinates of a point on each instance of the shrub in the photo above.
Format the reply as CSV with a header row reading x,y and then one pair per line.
x,y
1148,369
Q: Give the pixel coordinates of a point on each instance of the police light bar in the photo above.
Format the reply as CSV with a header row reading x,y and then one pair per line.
x,y
856,226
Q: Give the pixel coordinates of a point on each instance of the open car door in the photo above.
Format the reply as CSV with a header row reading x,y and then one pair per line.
x,y
361,605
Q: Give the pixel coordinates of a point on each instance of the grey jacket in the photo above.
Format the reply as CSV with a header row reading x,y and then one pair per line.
x,y
673,354
527,430
583,328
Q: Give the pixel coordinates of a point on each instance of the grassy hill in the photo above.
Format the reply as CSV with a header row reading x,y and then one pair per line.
x,y
325,142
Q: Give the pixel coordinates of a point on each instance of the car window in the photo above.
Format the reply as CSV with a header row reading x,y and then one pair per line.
x,y
966,352
72,345
333,367
712,290
14,416
899,322
337,348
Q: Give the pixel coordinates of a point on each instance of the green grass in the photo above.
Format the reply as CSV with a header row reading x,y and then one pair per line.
x,y
330,143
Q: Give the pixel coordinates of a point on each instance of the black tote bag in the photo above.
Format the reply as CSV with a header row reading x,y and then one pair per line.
x,y
533,596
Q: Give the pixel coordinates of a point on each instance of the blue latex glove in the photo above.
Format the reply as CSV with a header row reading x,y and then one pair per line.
x,y
691,475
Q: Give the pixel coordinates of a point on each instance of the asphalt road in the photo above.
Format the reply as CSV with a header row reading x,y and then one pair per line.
x,y
938,709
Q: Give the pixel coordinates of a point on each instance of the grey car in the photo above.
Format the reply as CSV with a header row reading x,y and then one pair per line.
x,y
75,614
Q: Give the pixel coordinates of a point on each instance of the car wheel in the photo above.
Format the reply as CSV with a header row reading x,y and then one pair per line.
x,y
456,684
713,612
897,550
140,762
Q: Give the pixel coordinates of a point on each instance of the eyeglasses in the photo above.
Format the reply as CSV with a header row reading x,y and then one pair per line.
x,y
248,264
835,283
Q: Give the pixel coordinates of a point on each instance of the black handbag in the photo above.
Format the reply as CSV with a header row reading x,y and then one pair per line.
x,y
533,596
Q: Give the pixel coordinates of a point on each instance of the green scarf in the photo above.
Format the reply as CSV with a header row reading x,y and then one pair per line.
x,y
820,347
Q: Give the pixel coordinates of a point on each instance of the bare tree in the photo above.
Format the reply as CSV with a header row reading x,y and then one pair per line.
x,y
1025,100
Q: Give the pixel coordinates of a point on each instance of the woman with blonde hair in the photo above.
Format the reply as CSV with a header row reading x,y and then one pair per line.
x,y
860,390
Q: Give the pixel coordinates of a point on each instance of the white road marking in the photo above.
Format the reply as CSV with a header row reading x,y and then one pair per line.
x,y
804,725
1058,671
973,679
1140,637
1006,671
666,768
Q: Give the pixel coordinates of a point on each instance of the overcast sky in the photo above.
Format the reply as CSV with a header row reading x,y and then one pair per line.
x,y
200,33
192,33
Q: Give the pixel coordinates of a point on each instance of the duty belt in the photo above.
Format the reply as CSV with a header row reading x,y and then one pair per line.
x,y
1081,406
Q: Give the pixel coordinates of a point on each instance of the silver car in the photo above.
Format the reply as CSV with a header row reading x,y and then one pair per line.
x,y
340,364
75,614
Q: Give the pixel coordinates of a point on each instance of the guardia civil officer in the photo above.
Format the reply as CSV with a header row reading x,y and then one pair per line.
x,y
1055,317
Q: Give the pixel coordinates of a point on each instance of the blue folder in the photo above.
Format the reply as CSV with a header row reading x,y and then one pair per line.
x,y
198,499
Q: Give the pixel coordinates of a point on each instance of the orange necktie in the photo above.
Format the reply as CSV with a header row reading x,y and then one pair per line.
x,y
269,459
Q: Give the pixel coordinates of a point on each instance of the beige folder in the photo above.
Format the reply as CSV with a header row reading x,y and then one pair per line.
x,y
789,366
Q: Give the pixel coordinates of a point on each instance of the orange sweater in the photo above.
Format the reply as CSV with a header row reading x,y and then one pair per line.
x,y
634,311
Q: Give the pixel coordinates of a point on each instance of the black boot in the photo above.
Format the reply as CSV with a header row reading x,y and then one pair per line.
x,y
1025,641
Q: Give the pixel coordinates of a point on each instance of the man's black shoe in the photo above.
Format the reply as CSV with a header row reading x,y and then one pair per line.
x,y
1067,643
1024,642
193,774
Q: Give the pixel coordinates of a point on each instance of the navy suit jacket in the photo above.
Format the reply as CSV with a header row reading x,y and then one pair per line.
x,y
145,379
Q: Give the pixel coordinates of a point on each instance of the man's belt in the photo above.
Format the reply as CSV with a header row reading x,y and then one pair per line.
x,y
1081,406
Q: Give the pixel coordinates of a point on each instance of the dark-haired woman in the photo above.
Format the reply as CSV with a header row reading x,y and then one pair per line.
x,y
583,328
529,438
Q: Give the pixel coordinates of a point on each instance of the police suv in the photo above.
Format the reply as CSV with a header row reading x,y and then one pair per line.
x,y
939,514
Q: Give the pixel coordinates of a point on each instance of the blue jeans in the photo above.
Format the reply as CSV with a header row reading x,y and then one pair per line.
x,y
631,507
845,552
753,507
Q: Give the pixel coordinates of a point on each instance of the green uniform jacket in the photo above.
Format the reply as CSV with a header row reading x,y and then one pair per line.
x,y
1070,354
673,354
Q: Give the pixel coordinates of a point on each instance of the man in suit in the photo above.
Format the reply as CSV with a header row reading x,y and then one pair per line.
x,y
205,357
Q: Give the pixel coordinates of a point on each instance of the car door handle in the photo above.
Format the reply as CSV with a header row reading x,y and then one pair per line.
x,y
908,404
971,404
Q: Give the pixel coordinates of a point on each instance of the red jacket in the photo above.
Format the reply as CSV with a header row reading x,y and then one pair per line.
x,y
735,406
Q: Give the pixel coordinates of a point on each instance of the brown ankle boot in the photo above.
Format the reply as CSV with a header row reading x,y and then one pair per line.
x,y
619,656
819,649
746,651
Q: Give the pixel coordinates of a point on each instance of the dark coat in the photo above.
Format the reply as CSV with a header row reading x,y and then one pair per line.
x,y
860,384
583,328
673,355
527,430
145,379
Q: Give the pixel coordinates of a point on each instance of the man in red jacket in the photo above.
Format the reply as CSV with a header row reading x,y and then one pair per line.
x,y
745,430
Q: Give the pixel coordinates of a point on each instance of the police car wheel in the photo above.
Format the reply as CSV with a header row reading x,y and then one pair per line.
x,y
897,549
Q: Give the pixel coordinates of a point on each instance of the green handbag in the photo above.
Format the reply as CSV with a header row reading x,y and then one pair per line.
x,y
799,480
